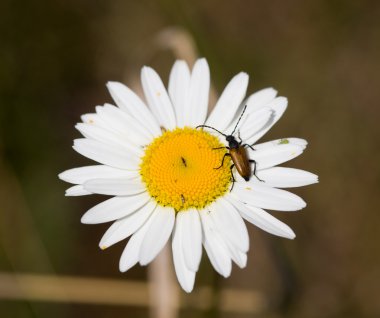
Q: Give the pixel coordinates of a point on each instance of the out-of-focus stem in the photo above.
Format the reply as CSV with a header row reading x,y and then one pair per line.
x,y
183,46
163,290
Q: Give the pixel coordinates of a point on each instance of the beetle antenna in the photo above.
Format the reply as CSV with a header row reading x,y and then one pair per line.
x,y
245,107
211,128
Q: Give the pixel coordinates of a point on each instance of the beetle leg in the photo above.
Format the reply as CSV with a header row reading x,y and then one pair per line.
x,y
245,145
221,148
254,169
226,154
232,177
240,137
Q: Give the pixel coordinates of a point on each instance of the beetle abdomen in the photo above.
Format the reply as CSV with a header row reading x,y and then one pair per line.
x,y
239,157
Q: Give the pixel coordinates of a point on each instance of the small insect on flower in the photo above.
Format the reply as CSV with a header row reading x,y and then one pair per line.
x,y
237,152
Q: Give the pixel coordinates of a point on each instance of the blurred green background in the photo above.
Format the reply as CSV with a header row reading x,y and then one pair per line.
x,y
56,56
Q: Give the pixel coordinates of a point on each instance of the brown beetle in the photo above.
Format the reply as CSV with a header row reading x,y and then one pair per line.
x,y
238,153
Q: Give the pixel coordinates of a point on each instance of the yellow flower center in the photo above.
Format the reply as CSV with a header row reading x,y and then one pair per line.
x,y
178,169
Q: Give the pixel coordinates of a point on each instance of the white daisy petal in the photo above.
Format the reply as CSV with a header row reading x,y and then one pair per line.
x,y
263,219
297,141
239,257
254,123
254,104
269,157
157,98
159,233
228,235
278,106
230,224
215,247
118,157
283,141
129,102
115,208
130,255
126,226
106,120
229,102
127,126
281,177
114,186
191,234
218,255
102,135
76,190
195,111
123,122
262,196
83,174
260,99
186,277
94,119
179,85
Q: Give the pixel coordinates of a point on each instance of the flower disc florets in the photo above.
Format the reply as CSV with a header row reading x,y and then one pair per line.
x,y
179,169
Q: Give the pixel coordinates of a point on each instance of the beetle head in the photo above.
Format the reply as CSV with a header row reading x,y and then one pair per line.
x,y
230,138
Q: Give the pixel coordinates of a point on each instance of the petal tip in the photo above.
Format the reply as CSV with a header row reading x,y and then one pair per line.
x,y
180,62
201,62
143,262
188,289
61,175
85,219
244,75
303,205
109,84
68,193
281,103
145,69
123,267
273,90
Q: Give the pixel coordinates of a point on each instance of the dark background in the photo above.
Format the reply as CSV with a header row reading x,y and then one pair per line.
x,y
56,56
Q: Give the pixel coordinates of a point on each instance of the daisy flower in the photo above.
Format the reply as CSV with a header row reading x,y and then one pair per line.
x,y
166,178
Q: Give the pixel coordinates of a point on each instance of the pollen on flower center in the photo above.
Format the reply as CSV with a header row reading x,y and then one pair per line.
x,y
178,169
